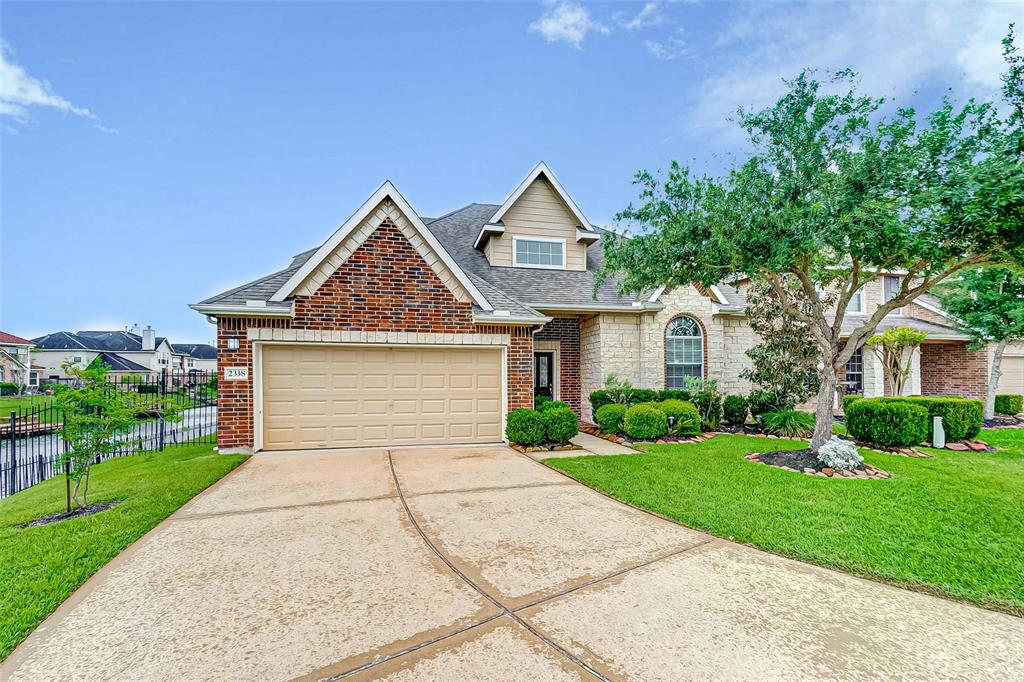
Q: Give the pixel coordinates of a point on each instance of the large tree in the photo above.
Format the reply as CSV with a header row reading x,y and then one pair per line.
x,y
988,304
833,195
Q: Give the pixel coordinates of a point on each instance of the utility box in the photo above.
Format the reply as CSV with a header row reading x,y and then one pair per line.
x,y
938,433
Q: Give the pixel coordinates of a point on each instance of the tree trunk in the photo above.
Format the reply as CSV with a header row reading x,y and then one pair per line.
x,y
823,415
993,380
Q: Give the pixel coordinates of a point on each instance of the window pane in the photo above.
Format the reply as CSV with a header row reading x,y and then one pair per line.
x,y
684,352
892,287
530,252
854,305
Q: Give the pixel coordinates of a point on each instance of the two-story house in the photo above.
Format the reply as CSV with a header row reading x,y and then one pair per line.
x,y
129,351
401,329
16,361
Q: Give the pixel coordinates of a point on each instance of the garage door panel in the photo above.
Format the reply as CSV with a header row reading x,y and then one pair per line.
x,y
1012,380
387,396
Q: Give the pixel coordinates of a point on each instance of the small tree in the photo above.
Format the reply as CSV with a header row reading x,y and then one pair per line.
x,y
96,415
895,348
834,195
786,360
987,304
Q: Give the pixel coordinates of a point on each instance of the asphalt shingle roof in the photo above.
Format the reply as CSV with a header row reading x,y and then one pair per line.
x,y
119,364
93,340
200,351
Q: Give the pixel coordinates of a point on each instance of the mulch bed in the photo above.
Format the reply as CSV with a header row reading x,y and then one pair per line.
x,y
1004,422
74,513
804,461
546,447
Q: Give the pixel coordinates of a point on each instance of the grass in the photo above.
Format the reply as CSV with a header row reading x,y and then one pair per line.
x,y
952,525
9,403
41,566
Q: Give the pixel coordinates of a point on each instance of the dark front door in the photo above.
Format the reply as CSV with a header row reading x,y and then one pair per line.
x,y
543,374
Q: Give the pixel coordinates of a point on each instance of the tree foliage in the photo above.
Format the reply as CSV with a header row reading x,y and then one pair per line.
x,y
895,350
785,360
835,194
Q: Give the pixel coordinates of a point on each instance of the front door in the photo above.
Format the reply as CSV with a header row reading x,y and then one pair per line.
x,y
544,374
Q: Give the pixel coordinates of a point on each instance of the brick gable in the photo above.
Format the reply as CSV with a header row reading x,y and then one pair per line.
x,y
384,285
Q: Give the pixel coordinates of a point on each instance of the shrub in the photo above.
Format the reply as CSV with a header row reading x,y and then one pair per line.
x,y
561,424
1010,404
553,405
642,395
734,410
645,422
849,400
147,388
961,418
8,388
599,399
684,419
788,423
540,400
618,390
609,418
705,396
760,402
892,422
524,426
840,454
673,394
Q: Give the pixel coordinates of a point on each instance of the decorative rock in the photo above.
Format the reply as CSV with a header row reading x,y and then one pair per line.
x,y
959,447
828,471
977,446
809,470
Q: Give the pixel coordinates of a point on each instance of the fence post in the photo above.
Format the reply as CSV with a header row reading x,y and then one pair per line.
x,y
161,405
67,477
14,454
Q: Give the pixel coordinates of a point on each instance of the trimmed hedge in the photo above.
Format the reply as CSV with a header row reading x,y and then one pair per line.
x,y
561,424
550,404
599,399
1011,404
961,418
674,394
524,426
8,388
891,422
540,400
734,410
642,395
645,422
686,416
849,400
609,418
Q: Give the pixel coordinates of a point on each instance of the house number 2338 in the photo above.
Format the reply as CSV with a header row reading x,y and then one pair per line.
x,y
236,373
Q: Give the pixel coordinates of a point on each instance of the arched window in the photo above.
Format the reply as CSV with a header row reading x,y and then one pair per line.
x,y
684,352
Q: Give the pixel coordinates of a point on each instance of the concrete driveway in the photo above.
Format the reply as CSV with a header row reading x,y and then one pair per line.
x,y
479,563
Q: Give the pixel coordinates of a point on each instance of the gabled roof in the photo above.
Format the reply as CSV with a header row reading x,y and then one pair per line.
x,y
12,340
387,191
539,170
94,340
118,363
199,351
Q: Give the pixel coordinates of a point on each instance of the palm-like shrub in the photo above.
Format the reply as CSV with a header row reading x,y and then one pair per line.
x,y
788,423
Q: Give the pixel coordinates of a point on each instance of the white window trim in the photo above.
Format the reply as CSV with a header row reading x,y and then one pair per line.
x,y
551,240
700,338
860,308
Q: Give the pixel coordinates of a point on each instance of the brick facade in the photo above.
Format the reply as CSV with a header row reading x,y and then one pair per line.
x,y
565,331
385,285
952,369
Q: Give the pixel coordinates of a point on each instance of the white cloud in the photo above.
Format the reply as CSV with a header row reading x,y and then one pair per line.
x,y
649,15
19,91
896,48
673,48
566,22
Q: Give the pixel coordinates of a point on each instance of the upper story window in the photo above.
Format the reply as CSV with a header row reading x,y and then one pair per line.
x,y
538,252
684,351
856,304
891,289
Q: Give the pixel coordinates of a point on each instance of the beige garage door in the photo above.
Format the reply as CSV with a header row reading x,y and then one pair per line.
x,y
1012,380
353,396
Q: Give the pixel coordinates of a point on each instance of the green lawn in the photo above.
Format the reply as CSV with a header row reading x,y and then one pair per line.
x,y
9,403
952,525
42,566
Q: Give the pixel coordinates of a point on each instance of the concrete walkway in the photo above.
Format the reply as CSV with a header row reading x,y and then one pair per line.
x,y
480,564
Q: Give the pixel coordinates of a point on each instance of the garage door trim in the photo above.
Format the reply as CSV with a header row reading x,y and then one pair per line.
x,y
257,366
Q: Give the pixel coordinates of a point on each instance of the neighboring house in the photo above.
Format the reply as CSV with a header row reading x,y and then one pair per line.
x,y
400,329
16,361
146,351
198,357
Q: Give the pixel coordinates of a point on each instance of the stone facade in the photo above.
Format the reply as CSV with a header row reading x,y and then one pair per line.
x,y
384,287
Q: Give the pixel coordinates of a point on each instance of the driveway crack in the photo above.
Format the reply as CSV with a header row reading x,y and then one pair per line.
x,y
505,611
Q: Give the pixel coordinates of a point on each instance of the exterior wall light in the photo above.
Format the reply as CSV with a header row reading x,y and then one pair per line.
x,y
232,343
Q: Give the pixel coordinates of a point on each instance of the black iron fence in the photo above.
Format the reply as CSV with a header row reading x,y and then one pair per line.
x,y
31,445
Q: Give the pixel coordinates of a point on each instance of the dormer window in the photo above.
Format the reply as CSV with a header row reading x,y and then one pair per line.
x,y
538,252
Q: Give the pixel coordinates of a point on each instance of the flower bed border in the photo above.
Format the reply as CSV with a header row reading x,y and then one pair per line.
x,y
544,448
865,473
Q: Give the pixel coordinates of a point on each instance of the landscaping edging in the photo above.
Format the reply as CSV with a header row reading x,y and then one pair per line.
x,y
867,472
594,431
544,448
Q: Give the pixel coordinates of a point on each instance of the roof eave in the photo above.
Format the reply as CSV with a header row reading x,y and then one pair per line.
x,y
242,310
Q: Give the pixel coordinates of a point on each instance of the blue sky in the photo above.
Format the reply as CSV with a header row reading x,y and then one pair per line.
x,y
156,153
